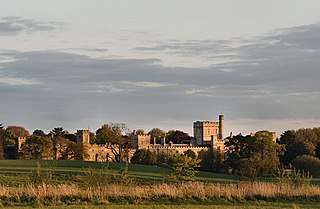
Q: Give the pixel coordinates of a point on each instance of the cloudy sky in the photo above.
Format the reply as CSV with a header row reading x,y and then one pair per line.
x,y
147,63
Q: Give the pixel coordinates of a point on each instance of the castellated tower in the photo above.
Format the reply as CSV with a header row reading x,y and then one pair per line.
x,y
221,127
204,130
83,136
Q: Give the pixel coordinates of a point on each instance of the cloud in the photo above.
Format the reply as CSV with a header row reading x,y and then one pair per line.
x,y
275,77
15,25
202,48
17,81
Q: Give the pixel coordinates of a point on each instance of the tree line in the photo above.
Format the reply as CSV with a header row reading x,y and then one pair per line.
x,y
61,144
249,156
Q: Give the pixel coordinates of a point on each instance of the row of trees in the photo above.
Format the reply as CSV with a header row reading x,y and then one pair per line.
x,y
250,156
255,155
60,144
39,145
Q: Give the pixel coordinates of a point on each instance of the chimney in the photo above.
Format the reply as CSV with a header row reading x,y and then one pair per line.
x,y
163,141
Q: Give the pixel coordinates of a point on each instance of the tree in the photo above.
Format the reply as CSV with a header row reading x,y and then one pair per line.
x,y
2,132
19,131
57,135
38,132
253,156
183,167
144,157
65,148
190,153
81,151
113,136
140,132
267,151
237,147
71,137
177,137
297,143
211,160
92,138
308,163
9,144
158,133
58,132
37,147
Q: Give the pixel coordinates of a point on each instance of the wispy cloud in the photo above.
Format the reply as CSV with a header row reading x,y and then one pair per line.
x,y
17,81
14,25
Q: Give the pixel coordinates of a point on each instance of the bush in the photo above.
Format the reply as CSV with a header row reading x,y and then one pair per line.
x,y
307,163
144,157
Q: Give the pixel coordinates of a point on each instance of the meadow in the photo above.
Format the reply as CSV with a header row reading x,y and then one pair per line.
x,y
78,184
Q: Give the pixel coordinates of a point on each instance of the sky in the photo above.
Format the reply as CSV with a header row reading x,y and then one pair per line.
x,y
78,64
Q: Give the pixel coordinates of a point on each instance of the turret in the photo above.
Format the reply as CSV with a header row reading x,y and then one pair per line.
x,y
221,127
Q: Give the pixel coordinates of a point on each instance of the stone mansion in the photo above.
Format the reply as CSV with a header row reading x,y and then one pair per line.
x,y
207,134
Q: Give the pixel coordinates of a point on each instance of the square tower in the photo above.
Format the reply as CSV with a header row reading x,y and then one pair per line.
x,y
204,130
83,136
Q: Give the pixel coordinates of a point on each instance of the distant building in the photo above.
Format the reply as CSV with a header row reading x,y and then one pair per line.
x,y
206,135
204,130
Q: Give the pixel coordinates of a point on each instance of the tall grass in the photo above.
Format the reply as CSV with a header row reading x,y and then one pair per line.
x,y
183,190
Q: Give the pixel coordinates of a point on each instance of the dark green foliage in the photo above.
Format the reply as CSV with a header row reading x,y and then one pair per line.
x,y
308,164
144,157
253,156
81,151
238,147
38,132
2,132
156,133
300,142
58,132
294,177
183,167
37,147
66,148
10,152
71,137
177,137
190,153
211,160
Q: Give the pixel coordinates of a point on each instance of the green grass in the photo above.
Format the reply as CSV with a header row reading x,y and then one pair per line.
x,y
16,172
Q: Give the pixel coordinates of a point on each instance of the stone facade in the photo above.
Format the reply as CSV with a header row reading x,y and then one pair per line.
x,y
204,130
206,135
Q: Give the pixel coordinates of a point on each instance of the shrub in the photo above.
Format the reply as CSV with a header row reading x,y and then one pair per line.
x,y
307,163
144,157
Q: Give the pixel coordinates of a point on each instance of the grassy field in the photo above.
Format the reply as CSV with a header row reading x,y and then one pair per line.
x,y
78,184
20,171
